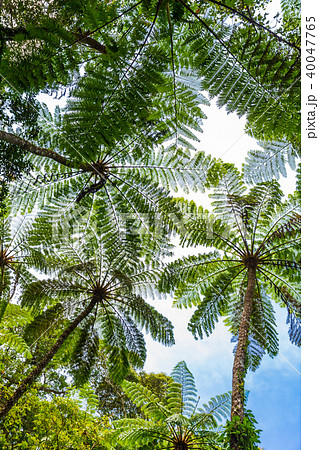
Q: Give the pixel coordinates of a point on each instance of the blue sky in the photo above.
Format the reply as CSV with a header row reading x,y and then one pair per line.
x,y
275,387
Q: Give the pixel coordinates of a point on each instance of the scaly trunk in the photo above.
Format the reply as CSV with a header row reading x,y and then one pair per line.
x,y
41,151
45,360
92,43
239,372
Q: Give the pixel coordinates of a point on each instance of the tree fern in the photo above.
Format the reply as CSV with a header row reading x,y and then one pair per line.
x,y
258,260
165,425
97,281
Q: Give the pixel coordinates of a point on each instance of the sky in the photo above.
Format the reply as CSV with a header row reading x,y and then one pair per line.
x,y
274,388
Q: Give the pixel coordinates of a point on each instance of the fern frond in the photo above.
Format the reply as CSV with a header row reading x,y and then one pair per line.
x,y
218,407
84,353
49,292
152,321
42,322
270,162
14,341
146,400
13,316
87,394
185,378
213,304
120,332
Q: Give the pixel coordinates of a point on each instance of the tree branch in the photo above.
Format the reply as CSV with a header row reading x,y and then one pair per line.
x,y
92,43
32,148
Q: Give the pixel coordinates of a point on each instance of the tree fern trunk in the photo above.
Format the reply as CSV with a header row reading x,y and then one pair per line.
x,y
239,371
45,360
41,151
31,148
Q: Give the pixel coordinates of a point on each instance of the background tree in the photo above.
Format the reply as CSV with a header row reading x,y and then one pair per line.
x,y
112,399
258,239
56,423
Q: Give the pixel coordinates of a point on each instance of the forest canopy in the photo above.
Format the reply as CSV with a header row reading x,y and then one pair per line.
x,y
94,192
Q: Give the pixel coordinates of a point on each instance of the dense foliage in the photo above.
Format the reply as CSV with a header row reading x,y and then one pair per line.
x,y
88,212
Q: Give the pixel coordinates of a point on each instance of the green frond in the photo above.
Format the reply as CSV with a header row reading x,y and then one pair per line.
x,y
160,328
262,201
120,332
202,280
263,326
270,162
13,317
119,363
91,400
287,291
214,303
13,340
49,292
173,398
174,168
43,322
218,407
284,226
146,400
190,268
138,432
182,375
84,353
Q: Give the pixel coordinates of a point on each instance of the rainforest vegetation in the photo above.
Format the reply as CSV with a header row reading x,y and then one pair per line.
x,y
94,192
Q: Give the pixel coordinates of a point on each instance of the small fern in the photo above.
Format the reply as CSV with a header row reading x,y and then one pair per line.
x,y
165,422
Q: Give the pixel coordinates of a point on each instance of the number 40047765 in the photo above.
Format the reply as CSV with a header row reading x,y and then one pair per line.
x,y
310,44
